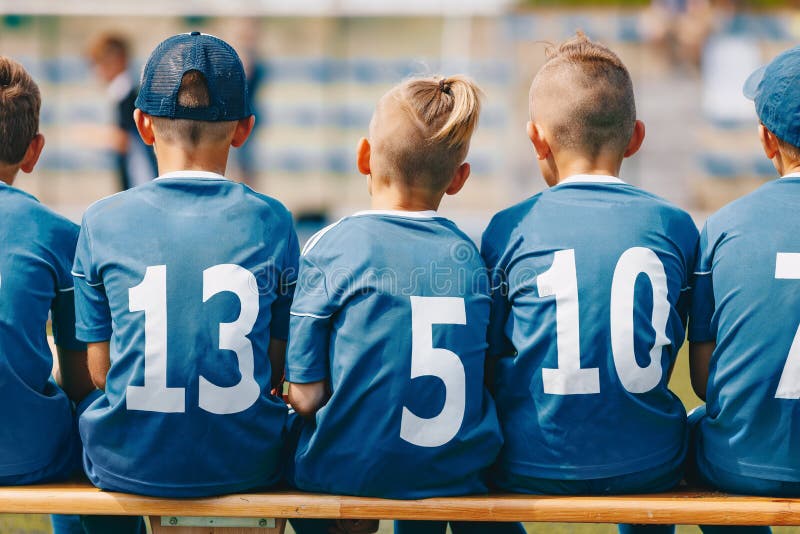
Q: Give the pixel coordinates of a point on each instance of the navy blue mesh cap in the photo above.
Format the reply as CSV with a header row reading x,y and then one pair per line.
x,y
215,59
775,88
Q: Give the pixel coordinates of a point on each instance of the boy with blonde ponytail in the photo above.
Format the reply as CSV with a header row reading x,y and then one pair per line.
x,y
388,326
591,280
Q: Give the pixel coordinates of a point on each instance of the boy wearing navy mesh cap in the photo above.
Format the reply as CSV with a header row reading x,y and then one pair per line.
x,y
186,316
745,342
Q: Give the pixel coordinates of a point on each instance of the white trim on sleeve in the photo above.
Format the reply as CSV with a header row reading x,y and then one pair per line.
x,y
312,315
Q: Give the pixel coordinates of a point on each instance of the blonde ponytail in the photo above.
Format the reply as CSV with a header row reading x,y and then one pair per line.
x,y
422,129
448,108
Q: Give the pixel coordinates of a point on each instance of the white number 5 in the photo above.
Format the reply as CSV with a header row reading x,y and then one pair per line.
x,y
426,360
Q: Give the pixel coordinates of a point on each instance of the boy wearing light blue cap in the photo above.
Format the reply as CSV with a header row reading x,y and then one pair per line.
x,y
181,313
745,341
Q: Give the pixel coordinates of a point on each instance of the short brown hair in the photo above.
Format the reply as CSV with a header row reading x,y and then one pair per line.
x,y
107,44
440,115
789,150
193,93
20,102
600,111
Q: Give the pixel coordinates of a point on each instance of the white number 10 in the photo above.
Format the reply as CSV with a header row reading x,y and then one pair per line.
x,y
150,297
561,281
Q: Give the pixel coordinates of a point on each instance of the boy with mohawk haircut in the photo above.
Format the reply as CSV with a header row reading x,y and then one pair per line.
x,y
590,281
38,250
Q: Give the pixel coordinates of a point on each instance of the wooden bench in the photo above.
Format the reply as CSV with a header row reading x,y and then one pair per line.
x,y
683,507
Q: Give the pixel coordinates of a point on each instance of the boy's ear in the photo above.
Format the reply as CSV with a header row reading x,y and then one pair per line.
x,y
462,173
363,153
540,142
31,156
144,125
768,141
243,130
636,139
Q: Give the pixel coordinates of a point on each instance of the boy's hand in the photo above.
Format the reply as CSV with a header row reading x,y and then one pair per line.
x,y
354,526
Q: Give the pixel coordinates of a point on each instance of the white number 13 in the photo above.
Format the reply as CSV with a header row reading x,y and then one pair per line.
x,y
150,297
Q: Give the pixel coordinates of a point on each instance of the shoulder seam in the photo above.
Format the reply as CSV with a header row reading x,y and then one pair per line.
x,y
314,239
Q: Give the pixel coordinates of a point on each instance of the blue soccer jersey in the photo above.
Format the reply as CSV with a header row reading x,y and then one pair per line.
x,y
590,291
392,310
38,248
747,299
189,276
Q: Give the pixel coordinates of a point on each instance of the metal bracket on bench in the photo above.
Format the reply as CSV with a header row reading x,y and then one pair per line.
x,y
225,522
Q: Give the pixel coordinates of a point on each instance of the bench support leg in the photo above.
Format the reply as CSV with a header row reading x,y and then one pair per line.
x,y
215,525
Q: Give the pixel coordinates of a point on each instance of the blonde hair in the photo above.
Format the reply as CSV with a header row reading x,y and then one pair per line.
x,y
601,110
20,102
442,115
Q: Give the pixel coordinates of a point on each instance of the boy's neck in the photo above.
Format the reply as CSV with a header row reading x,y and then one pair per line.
x,y
574,165
8,173
397,199
174,158
791,169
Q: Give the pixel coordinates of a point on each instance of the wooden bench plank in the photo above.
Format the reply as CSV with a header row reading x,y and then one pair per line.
x,y
688,507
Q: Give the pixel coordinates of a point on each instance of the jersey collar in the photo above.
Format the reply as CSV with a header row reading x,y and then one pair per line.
x,y
202,175
591,179
429,214
792,175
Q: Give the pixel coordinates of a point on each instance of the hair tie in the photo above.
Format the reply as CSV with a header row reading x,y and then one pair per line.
x,y
442,87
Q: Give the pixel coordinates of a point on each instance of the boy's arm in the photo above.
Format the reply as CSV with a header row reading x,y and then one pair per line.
x,y
306,399
92,312
277,360
307,367
279,326
498,343
99,362
699,363
73,373
702,327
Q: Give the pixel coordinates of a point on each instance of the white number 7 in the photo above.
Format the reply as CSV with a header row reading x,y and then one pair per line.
x,y
787,267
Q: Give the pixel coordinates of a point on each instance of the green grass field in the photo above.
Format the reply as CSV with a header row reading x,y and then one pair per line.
x,y
37,524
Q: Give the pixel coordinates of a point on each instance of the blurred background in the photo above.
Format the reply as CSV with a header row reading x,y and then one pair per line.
x,y
317,68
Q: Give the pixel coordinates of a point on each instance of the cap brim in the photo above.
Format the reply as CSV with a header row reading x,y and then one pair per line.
x,y
750,88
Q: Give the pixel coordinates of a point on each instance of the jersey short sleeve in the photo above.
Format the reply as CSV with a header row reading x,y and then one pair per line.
x,y
312,310
63,307
92,313
499,344
702,307
279,326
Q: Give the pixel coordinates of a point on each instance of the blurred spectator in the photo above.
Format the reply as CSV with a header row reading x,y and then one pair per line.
x,y
136,163
245,40
679,29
